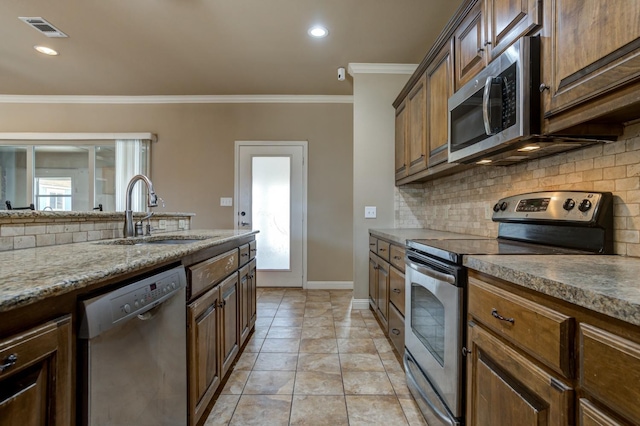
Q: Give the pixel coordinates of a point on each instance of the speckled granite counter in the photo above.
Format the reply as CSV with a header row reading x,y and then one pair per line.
x,y
605,284
30,275
401,235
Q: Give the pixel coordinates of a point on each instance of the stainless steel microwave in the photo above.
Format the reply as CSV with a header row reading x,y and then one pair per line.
x,y
499,106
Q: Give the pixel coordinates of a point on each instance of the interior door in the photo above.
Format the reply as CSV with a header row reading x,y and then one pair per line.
x,y
271,198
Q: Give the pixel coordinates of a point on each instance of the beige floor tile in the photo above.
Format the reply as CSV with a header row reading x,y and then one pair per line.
x,y
260,332
390,362
324,321
320,363
276,361
351,322
254,345
318,305
360,362
376,333
235,383
287,322
346,313
412,412
320,312
316,383
319,346
290,313
246,361
270,383
280,345
270,298
272,410
374,410
263,321
371,322
356,346
222,410
326,332
367,383
297,299
267,305
383,345
399,382
284,332
266,313
352,333
314,410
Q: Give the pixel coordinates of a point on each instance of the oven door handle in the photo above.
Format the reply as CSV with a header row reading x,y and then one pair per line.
x,y
431,272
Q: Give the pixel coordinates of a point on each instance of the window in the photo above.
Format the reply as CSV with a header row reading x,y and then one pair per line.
x,y
54,194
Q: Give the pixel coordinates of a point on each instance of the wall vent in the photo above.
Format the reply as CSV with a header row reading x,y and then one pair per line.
x,y
41,25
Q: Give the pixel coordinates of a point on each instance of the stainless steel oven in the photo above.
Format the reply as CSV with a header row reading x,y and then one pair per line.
x,y
558,222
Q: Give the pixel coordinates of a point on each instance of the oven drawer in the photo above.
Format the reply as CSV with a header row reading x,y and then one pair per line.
x,y
542,332
396,329
396,256
383,249
396,289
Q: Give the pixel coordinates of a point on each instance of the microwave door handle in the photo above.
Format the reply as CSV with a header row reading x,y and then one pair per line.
x,y
486,111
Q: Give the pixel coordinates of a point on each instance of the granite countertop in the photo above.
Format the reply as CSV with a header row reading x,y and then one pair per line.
x,y
401,235
605,284
31,275
42,214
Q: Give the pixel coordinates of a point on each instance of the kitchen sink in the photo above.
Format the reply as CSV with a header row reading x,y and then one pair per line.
x,y
153,241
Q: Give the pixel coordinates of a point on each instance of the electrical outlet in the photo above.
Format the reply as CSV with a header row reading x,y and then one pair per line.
x,y
182,223
370,212
162,224
226,201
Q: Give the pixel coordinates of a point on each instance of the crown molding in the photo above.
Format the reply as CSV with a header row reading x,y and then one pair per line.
x,y
362,68
178,99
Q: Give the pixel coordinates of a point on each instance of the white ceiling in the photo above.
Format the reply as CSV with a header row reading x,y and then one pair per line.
x,y
209,47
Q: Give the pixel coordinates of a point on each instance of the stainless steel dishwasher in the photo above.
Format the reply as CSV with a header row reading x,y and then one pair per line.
x,y
132,353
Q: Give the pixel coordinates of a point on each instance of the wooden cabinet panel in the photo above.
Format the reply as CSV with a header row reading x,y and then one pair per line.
x,y
590,415
253,249
401,159
383,249
609,367
35,380
373,281
508,20
245,303
243,254
416,127
253,293
396,329
505,388
396,290
396,256
210,272
542,332
383,293
373,244
229,321
470,55
439,89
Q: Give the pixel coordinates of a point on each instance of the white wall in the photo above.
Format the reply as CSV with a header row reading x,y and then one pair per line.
x,y
373,163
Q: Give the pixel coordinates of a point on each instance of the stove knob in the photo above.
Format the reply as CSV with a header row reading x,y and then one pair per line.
x,y
503,205
126,308
584,205
569,204
496,207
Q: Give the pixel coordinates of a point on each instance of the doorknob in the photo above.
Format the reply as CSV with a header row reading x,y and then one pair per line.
x,y
243,223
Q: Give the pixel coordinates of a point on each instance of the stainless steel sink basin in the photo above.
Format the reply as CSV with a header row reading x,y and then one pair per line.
x,y
153,241
171,241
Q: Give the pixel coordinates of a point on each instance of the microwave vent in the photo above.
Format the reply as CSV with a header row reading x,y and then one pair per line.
x,y
43,26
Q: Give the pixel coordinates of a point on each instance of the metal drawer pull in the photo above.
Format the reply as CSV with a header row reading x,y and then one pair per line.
x,y
495,314
466,351
395,331
396,290
9,362
397,257
382,249
372,244
244,254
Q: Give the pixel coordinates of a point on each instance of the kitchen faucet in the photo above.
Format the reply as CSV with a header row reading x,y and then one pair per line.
x,y
152,201
139,223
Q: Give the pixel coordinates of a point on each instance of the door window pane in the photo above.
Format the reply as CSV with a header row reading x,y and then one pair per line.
x,y
105,176
427,320
53,194
60,164
13,176
271,195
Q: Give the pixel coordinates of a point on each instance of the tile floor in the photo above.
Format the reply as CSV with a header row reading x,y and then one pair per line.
x,y
312,360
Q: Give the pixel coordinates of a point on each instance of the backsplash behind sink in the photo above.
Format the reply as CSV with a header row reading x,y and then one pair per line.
x,y
20,229
463,202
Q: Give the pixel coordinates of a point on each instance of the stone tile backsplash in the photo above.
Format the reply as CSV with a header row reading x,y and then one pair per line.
x,y
463,202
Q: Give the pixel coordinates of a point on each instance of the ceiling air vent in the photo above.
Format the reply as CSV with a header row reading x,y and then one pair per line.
x,y
43,26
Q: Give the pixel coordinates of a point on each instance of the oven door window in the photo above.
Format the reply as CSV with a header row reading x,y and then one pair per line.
x,y
427,320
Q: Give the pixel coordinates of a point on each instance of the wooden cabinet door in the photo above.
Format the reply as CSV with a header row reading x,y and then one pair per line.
x,y
507,21
401,142
590,415
383,293
204,368
253,293
396,289
593,49
416,127
506,388
35,377
229,326
469,46
439,89
373,282
245,303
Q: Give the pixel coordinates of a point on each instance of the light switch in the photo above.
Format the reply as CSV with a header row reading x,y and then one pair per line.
x,y
182,223
370,212
162,224
226,201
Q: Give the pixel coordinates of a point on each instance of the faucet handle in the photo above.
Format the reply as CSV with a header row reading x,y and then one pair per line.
x,y
153,199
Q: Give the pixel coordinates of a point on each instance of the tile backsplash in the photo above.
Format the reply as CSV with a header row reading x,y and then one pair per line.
x,y
463,202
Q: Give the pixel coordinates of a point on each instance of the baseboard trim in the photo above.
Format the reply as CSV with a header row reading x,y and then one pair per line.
x,y
360,304
329,285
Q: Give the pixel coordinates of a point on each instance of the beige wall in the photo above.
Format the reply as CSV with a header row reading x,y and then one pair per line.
x,y
373,164
193,161
463,202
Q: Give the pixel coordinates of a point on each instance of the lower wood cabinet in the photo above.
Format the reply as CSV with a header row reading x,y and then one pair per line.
x,y
383,294
229,325
36,376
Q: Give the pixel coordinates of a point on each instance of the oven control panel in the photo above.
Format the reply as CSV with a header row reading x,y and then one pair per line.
x,y
556,206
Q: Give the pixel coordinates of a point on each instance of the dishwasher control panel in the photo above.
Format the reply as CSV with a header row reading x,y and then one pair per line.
x,y
134,299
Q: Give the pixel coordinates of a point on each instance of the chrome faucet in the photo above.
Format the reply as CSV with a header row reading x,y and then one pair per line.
x,y
152,201
139,224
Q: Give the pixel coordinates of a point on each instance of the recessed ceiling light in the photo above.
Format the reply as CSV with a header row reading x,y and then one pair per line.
x,y
529,148
318,31
483,162
46,50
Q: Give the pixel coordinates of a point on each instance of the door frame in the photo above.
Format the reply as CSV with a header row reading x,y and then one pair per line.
x,y
305,162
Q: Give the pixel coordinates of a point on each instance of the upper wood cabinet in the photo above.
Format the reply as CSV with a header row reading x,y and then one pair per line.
x,y
439,89
508,20
416,127
401,141
591,60
469,46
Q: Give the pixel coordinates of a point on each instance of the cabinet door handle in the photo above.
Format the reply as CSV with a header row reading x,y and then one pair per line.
x,y
495,314
253,250
395,331
397,291
543,87
466,351
480,49
486,43
372,244
397,257
244,254
9,362
383,249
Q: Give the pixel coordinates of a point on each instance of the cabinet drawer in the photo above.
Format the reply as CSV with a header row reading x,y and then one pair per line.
x,y
544,333
253,249
373,244
210,272
609,369
396,289
244,254
383,249
396,257
396,329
